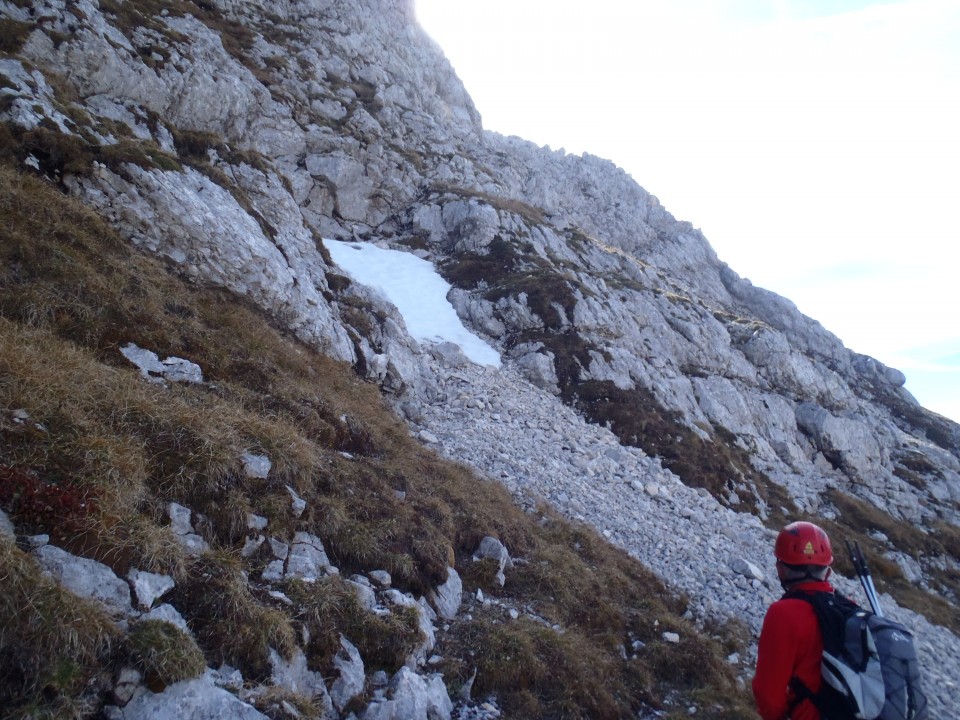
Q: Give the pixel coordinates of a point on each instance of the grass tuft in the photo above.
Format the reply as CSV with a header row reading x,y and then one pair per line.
x,y
52,643
231,625
164,653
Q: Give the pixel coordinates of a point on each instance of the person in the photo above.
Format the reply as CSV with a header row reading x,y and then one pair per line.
x,y
790,644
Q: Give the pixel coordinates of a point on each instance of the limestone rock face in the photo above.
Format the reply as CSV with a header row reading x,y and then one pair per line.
x,y
233,157
344,120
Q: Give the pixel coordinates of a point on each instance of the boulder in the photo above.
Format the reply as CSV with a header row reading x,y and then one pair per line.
x,y
196,699
412,697
447,597
86,578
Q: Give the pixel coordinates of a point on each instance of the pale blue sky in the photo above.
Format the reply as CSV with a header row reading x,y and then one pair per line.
x,y
815,143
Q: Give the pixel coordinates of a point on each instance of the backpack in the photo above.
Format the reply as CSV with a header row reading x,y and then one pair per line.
x,y
870,669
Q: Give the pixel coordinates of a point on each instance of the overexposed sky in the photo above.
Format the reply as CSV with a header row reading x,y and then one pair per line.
x,y
816,143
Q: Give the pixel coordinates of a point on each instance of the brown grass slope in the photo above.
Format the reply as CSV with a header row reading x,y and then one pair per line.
x,y
105,451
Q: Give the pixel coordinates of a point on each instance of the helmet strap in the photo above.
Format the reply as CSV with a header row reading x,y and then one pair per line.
x,y
791,575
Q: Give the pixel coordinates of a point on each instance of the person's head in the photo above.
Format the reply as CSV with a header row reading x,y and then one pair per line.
x,y
803,553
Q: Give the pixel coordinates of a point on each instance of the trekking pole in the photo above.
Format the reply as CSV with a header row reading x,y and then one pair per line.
x,y
863,572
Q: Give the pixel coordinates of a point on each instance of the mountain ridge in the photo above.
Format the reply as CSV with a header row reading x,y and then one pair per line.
x,y
229,138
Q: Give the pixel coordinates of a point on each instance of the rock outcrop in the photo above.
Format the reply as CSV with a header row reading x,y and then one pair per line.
x,y
231,139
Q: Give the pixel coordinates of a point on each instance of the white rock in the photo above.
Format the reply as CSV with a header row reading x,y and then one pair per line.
x,y
256,466
148,587
297,504
746,568
446,598
251,545
412,697
167,613
351,678
381,578
179,518
294,675
256,522
307,559
86,578
196,698
6,526
492,548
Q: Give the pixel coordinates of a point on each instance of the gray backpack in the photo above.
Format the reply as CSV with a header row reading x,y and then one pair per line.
x,y
870,669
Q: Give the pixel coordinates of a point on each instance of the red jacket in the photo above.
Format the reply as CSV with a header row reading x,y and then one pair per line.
x,y
790,646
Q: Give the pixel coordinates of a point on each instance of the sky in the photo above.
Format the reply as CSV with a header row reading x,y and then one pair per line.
x,y
815,143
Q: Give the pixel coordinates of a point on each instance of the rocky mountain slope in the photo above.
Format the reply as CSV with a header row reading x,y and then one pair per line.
x,y
647,389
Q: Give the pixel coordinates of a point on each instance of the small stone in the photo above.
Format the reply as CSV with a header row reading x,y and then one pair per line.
x,y
297,504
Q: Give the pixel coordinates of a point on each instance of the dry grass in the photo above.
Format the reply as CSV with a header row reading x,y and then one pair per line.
x,y
51,643
230,623
329,608
279,703
858,519
13,35
603,601
113,450
164,653
532,214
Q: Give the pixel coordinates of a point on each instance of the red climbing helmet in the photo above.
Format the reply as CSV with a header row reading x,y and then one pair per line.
x,y
803,543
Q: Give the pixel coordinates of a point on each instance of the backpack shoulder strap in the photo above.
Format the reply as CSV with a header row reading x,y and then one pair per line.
x,y
800,691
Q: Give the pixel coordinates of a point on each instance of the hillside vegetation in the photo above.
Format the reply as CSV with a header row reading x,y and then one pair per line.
x,y
105,451
167,174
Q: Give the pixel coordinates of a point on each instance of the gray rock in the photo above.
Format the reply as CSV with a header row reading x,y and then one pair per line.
x,y
297,504
148,587
256,466
365,595
257,522
448,354
129,682
538,368
420,654
294,675
179,518
172,368
412,697
251,545
307,559
492,548
351,679
167,613
273,572
179,370
747,569
197,699
381,578
446,598
6,527
86,578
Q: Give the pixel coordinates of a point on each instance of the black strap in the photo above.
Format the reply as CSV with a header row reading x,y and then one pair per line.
x,y
801,692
